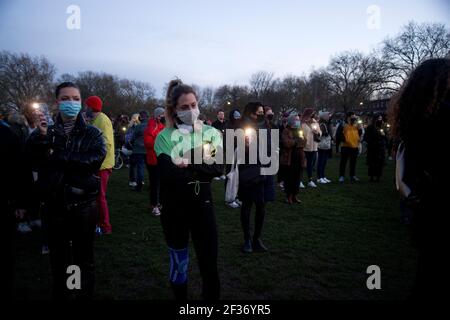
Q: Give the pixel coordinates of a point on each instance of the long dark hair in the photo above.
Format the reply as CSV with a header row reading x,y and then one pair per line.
x,y
175,90
420,99
251,108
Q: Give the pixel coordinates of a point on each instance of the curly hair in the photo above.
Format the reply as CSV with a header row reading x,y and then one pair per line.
x,y
420,98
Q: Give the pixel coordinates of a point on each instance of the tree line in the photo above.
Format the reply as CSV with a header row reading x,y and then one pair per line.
x,y
350,77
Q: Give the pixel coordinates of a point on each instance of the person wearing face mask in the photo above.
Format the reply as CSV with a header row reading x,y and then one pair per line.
x,y
186,198
138,156
233,123
270,116
69,155
350,139
292,157
154,127
312,134
221,125
101,121
254,188
376,140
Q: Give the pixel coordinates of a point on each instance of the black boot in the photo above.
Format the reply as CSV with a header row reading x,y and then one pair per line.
x,y
259,246
247,248
180,291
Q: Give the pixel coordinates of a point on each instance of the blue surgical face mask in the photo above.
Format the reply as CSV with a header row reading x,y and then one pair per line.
x,y
69,109
296,124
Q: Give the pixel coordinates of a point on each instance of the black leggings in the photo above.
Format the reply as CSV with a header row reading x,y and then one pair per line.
x,y
259,218
194,216
71,242
154,181
348,153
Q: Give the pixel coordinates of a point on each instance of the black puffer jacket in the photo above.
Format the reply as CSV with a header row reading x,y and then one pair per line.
x,y
68,164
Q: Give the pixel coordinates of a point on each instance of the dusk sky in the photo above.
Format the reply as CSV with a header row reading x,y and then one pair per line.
x,y
208,43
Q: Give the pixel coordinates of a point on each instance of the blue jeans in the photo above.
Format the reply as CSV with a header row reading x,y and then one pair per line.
x,y
137,164
322,162
311,157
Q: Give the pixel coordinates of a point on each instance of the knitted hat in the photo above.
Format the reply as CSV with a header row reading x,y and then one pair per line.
x,y
158,111
95,103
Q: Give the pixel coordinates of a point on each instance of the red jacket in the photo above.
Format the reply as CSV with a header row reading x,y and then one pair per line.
x,y
150,133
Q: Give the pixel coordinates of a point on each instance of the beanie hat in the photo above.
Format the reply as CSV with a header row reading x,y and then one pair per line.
x,y
95,103
158,111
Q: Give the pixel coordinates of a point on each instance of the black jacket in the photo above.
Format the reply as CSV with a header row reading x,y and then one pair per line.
x,y
68,162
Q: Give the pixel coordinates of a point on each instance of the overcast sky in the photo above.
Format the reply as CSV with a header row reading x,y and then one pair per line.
x,y
204,42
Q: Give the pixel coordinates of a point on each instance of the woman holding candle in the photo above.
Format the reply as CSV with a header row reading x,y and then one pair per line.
x,y
292,157
312,133
185,189
376,140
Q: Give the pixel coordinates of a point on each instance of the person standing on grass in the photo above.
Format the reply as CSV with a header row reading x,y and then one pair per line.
x,y
134,122
292,157
376,140
281,126
101,121
349,136
186,198
419,116
324,147
233,123
312,133
154,127
221,125
252,185
138,157
14,192
69,155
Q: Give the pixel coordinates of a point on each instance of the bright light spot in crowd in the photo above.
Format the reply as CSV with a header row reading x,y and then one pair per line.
x,y
249,131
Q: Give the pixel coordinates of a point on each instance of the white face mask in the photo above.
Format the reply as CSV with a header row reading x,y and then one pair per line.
x,y
188,116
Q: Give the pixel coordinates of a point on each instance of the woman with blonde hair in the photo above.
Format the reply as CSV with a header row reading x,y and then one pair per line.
x,y
134,121
185,190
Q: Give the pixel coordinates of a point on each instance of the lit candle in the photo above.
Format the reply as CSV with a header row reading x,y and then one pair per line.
x,y
249,131
124,129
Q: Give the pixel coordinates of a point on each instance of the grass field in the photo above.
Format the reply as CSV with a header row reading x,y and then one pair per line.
x,y
318,250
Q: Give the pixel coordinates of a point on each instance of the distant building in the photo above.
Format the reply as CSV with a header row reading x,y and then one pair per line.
x,y
373,106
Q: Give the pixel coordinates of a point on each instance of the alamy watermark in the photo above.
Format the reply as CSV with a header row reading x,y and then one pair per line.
x,y
244,146
373,21
73,22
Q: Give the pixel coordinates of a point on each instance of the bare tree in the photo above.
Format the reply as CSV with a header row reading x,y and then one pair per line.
x,y
353,77
24,79
414,44
260,84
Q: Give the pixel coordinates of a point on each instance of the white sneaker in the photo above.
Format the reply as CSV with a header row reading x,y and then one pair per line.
x,y
302,186
222,177
233,205
326,180
132,184
23,228
341,179
322,181
311,184
45,250
239,202
156,212
36,223
216,178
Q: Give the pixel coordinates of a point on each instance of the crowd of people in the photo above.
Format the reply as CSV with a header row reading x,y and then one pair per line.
x,y
69,158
